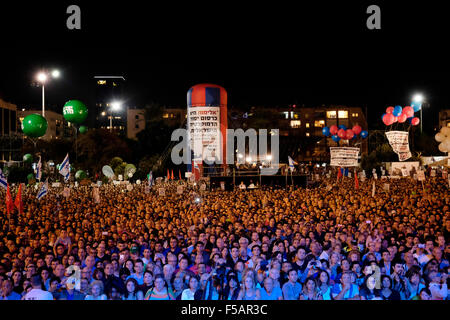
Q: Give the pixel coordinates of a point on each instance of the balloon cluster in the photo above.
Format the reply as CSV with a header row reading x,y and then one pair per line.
x,y
341,132
443,136
401,115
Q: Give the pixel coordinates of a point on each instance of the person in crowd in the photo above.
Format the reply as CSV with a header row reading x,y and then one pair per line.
x,y
36,293
7,292
96,291
189,293
132,291
292,288
160,291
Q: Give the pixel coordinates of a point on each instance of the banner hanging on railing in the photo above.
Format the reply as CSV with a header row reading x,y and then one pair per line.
x,y
344,156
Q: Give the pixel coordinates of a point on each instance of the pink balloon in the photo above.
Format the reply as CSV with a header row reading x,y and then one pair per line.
x,y
402,118
408,111
415,121
357,129
395,119
334,129
341,133
349,134
388,119
389,110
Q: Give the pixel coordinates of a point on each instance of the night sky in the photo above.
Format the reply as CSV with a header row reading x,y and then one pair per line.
x,y
264,55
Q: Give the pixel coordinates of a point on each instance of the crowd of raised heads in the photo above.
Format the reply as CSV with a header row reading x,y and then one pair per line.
x,y
330,242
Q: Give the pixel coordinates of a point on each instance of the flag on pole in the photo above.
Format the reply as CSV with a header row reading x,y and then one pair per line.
x,y
3,181
65,168
172,175
179,174
346,172
373,188
9,200
43,191
339,173
150,179
18,202
38,170
291,163
168,174
356,180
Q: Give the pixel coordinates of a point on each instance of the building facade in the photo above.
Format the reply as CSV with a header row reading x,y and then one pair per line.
x,y
444,118
109,90
10,135
57,128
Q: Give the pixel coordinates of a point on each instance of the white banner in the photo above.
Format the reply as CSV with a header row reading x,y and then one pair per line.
x,y
56,184
162,192
203,124
180,189
398,140
405,172
344,156
421,175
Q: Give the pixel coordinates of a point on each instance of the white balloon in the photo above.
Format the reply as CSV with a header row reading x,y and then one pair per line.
x,y
445,131
446,144
439,137
441,147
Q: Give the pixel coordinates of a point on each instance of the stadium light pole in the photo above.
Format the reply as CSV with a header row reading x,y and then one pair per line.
x,y
115,106
419,99
42,78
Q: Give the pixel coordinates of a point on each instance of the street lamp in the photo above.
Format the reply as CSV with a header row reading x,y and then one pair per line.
x,y
42,78
419,99
115,106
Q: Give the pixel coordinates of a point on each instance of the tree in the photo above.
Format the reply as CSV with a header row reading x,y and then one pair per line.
x,y
97,147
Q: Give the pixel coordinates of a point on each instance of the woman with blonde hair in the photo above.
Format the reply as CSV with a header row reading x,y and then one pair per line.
x,y
96,291
248,288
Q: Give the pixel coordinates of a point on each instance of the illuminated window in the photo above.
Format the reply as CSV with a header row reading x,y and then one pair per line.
x,y
355,115
114,84
307,134
296,116
343,114
331,114
286,115
307,125
101,82
319,123
295,123
165,115
103,113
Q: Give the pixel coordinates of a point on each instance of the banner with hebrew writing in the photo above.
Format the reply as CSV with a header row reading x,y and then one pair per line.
x,y
344,156
398,140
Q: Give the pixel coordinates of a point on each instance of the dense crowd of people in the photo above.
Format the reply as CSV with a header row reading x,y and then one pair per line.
x,y
330,242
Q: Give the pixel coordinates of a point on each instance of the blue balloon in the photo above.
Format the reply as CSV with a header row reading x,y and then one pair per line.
x,y
335,138
364,134
416,106
342,127
397,111
383,116
326,131
410,119
354,137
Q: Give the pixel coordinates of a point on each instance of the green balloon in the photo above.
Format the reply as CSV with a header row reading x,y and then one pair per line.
x,y
83,129
30,176
28,157
75,111
80,175
34,125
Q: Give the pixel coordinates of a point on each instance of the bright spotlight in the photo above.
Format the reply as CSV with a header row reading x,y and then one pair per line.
x,y
41,77
249,159
56,73
418,98
269,157
240,156
116,105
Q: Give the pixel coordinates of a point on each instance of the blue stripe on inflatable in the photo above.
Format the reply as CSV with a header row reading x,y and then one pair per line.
x,y
212,96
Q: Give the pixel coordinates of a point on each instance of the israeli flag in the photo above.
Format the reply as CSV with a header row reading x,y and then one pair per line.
x,y
150,178
291,163
38,170
65,168
3,181
43,191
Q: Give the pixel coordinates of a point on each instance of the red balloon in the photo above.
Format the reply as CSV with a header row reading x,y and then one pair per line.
x,y
408,111
357,129
388,119
402,118
341,133
395,119
415,121
349,134
389,110
334,129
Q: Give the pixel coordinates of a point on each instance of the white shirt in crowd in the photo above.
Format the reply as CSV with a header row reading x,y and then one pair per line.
x,y
38,294
187,294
